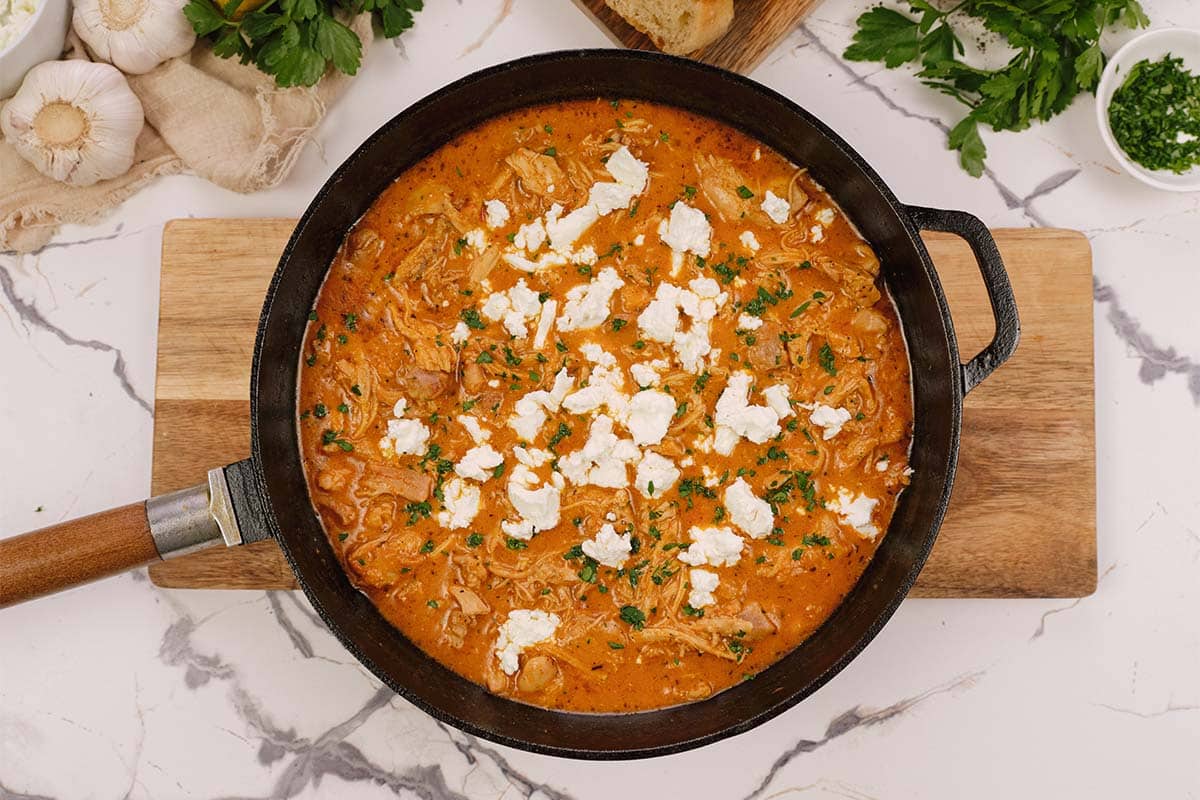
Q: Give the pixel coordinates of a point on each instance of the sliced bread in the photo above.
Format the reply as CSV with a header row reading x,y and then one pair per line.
x,y
677,26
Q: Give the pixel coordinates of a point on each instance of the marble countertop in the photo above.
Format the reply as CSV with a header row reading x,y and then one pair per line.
x,y
125,690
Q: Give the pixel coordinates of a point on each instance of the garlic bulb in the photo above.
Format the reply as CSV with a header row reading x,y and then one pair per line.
x,y
135,36
75,121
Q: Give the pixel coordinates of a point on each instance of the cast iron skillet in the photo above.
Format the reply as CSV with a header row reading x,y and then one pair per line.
x,y
266,495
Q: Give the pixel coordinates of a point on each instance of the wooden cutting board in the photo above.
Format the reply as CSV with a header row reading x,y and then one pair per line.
x,y
758,25
1022,519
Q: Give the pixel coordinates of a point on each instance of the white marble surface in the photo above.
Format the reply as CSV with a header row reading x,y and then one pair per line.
x,y
124,690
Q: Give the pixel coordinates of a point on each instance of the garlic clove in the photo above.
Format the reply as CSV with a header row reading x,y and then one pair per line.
x,y
74,121
134,35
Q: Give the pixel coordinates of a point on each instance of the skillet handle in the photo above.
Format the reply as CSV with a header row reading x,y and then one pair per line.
x,y
995,278
83,550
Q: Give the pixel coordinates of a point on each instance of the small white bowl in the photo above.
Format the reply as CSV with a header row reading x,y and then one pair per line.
x,y
42,41
1179,42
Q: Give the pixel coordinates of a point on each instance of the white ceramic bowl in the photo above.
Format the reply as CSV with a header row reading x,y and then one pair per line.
x,y
42,41
1180,42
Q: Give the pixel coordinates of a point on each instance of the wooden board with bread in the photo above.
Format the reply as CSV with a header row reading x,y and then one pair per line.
x,y
734,35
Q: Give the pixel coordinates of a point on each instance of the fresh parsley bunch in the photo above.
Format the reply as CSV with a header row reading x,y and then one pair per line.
x,y
294,40
1058,56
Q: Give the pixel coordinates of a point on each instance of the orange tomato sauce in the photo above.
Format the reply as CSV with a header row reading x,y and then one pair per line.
x,y
567,582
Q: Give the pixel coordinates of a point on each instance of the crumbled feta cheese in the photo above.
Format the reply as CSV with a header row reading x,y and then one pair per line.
x,y
597,354
476,239
565,231
537,506
544,261
691,346
655,474
460,504
587,304
881,465
749,241
519,529
660,319
522,629
777,397
608,197
716,547
479,434
461,333
609,548
585,255
627,170
855,512
748,511
532,457
703,583
734,414
515,306
530,411
703,299
407,436
830,418
478,463
496,213
747,322
687,230
776,208
825,216
639,240
602,459
531,236
647,373
816,234
545,323
650,414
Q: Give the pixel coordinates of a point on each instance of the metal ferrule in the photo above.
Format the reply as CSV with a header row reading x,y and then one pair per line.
x,y
191,519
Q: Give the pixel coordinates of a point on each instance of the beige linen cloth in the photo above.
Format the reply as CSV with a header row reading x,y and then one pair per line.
x,y
214,117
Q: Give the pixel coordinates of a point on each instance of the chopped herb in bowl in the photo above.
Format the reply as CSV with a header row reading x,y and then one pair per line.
x,y
1155,115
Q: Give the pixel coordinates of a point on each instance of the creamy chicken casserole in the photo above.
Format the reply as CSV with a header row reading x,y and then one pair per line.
x,y
604,406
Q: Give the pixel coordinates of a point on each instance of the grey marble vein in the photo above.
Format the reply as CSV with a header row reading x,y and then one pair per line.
x,y
1041,628
29,313
1170,708
326,754
118,233
852,720
472,748
10,794
1157,361
298,639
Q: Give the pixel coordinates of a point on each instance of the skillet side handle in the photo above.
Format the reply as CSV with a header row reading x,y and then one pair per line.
x,y
75,552
995,278
83,550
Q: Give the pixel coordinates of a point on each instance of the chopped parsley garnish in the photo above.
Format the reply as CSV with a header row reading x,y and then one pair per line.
x,y
681,409
319,411
744,192
484,358
812,539
498,470
351,321
616,646
342,407
428,546
563,432
471,317
825,359
343,536
459,246
510,357
588,573
701,382
474,540
634,616
356,390
688,611
619,323
689,191
515,544
690,488
550,151
1155,115
431,603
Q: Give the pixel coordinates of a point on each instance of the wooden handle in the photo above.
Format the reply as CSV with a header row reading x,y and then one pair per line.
x,y
75,552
